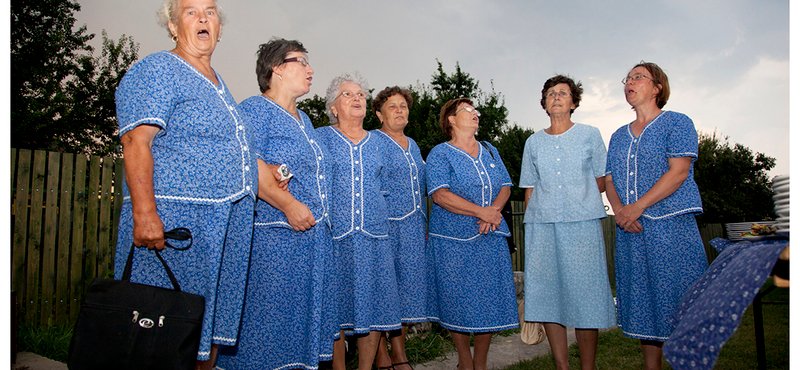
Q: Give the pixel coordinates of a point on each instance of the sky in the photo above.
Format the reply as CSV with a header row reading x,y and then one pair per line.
x,y
727,61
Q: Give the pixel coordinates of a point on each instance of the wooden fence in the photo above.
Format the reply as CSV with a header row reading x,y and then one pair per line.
x,y
65,210
64,215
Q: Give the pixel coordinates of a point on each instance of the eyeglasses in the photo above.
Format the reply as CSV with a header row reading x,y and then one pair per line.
x,y
303,62
562,94
469,110
350,95
634,78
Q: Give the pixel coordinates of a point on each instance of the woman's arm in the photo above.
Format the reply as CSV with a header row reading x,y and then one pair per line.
x,y
669,182
297,214
601,184
458,205
498,204
616,206
148,229
528,192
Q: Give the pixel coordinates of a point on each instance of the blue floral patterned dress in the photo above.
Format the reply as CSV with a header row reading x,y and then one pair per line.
x,y
285,307
655,267
566,278
471,283
368,298
407,202
204,179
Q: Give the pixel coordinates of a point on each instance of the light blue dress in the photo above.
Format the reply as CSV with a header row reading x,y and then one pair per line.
x,y
655,267
368,297
471,283
407,202
285,311
204,179
566,278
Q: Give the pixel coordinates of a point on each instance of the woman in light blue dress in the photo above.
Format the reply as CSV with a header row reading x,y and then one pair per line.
x,y
368,298
650,185
188,163
406,199
566,278
285,311
471,280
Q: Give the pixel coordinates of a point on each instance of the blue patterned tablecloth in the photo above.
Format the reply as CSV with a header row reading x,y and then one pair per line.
x,y
712,308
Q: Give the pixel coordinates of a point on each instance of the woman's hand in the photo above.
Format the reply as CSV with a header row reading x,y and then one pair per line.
x,y
299,216
148,229
627,215
489,219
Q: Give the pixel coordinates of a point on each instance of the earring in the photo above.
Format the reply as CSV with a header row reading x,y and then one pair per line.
x,y
219,38
175,39
279,76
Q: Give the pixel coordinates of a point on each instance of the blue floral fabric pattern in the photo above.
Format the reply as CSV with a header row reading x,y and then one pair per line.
x,y
655,267
638,162
477,180
203,153
205,178
566,278
407,204
471,283
358,184
368,298
712,308
284,312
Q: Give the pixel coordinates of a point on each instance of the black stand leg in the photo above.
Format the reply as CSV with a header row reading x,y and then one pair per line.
x,y
758,321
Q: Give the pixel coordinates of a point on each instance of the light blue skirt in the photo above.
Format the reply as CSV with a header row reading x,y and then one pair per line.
x,y
566,275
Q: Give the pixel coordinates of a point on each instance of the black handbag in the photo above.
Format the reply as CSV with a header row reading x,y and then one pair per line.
x,y
125,325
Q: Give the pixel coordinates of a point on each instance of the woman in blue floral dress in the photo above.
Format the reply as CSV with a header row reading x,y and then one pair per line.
x,y
188,163
285,311
368,298
471,280
407,204
650,185
566,278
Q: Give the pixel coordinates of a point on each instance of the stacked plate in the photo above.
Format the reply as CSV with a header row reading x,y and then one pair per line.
x,y
780,186
736,229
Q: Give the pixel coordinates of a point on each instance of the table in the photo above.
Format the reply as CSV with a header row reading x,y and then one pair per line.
x,y
712,308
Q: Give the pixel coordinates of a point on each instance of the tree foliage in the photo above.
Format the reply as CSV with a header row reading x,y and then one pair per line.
x,y
423,117
733,181
62,96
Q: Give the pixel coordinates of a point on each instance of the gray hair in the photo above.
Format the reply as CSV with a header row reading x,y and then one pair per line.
x,y
169,12
333,91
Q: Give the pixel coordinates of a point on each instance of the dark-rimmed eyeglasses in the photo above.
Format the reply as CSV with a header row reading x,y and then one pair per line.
x,y
303,62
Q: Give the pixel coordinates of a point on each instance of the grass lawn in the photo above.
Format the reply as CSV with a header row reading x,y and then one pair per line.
x,y
616,351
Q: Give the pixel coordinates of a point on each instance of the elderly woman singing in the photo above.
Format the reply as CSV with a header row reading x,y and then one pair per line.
x,y
188,163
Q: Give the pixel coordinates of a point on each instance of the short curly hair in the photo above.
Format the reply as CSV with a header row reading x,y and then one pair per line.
x,y
449,109
272,54
333,91
389,92
576,89
169,12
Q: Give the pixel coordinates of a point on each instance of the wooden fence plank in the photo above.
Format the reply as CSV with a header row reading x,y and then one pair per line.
x,y
92,214
13,175
19,239
708,232
104,230
119,178
49,239
34,233
64,227
77,247
609,236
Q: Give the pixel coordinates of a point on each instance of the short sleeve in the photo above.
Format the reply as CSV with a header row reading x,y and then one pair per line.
x,y
145,95
438,170
599,154
505,178
682,140
527,174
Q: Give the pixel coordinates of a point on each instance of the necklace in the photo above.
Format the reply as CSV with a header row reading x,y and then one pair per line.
x,y
353,138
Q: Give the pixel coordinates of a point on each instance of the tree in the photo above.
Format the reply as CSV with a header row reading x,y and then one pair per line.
x,y
511,146
62,97
733,181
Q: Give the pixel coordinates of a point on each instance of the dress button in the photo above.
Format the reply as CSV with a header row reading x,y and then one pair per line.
x,y
631,191
323,196
311,141
357,212
558,159
320,158
322,176
559,186
557,147
247,187
632,155
357,178
247,168
326,214
359,194
355,148
486,187
631,173
356,162
241,127
417,207
358,228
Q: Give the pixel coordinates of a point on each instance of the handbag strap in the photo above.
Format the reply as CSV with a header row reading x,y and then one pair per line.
x,y
486,145
180,233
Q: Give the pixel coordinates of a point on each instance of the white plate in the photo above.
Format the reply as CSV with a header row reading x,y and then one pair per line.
x,y
782,202
762,237
780,188
783,212
780,196
783,232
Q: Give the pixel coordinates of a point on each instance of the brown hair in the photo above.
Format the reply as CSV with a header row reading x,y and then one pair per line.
x,y
659,78
449,109
575,90
389,92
